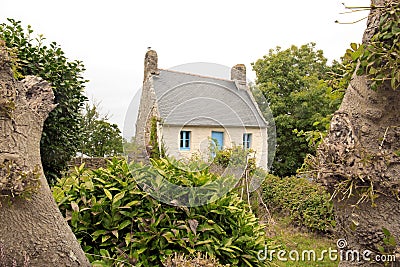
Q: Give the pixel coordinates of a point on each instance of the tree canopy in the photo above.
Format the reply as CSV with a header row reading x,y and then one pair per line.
x,y
297,84
100,138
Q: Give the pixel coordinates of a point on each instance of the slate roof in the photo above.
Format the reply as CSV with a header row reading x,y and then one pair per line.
x,y
194,100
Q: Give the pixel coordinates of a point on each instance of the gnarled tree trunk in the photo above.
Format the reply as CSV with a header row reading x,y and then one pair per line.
x,y
359,158
32,230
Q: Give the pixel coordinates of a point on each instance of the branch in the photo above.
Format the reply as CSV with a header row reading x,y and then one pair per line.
x,y
354,22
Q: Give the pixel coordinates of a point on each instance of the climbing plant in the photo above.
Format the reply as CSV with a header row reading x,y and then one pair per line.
x,y
379,59
16,182
157,150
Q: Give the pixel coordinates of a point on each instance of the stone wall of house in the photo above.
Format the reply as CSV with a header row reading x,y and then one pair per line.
x,y
147,107
200,140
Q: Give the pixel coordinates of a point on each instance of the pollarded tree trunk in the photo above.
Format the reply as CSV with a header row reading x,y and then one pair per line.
x,y
360,158
32,230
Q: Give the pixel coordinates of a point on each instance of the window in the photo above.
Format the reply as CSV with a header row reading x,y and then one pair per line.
x,y
247,140
185,140
218,139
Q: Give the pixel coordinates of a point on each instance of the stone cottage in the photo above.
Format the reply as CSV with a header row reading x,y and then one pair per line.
x,y
194,112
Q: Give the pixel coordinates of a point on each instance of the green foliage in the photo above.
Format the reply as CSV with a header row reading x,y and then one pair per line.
x,y
236,156
100,138
379,58
298,84
157,150
17,182
389,242
114,220
306,203
61,133
340,74
6,107
7,104
9,55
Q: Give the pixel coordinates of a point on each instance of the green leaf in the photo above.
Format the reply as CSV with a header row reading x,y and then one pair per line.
x,y
372,71
128,239
235,247
104,238
247,262
393,83
133,203
227,249
100,180
140,251
124,224
108,194
169,236
98,233
118,196
357,53
104,253
387,233
203,242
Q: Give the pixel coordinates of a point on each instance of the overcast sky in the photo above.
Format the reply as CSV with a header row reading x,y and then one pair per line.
x,y
111,37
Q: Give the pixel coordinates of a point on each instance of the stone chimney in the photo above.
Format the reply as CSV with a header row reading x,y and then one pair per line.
x,y
238,74
150,63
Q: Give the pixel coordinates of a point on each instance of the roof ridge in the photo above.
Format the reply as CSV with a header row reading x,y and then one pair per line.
x,y
197,75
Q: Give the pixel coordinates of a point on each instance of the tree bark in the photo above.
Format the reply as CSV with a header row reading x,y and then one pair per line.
x,y
32,230
362,146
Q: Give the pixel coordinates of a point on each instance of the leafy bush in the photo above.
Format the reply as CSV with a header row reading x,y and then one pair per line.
x,y
307,203
115,221
236,156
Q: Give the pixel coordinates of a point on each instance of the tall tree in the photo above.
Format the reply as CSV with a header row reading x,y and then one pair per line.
x,y
359,161
293,82
101,138
32,229
62,132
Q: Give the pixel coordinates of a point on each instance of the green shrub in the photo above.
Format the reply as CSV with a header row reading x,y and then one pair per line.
x,y
235,157
306,203
115,221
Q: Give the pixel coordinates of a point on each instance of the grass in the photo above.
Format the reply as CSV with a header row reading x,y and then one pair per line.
x,y
284,236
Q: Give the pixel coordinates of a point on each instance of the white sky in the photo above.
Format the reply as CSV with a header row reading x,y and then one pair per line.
x,y
111,37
